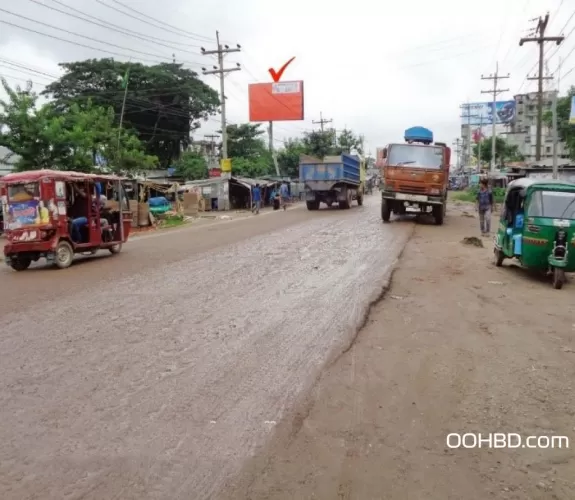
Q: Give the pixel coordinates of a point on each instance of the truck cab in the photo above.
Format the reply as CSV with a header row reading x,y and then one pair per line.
x,y
415,176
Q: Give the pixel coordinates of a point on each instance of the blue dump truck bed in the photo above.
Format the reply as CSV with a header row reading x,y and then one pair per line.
x,y
334,169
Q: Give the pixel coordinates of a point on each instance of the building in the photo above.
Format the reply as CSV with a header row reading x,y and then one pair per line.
x,y
523,132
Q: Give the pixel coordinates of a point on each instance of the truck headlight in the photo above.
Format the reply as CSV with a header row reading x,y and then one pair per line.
x,y
434,191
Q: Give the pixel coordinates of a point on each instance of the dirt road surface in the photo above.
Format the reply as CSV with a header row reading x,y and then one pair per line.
x,y
163,383
456,346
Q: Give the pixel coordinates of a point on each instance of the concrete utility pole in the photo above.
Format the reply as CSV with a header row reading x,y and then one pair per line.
x,y
540,39
555,134
495,92
221,51
457,144
468,116
321,122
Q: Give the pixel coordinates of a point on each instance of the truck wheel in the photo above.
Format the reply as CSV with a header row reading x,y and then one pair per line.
x,y
439,214
347,202
64,255
385,210
20,263
312,205
360,200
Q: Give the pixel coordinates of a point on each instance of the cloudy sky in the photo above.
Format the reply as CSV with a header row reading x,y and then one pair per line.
x,y
374,67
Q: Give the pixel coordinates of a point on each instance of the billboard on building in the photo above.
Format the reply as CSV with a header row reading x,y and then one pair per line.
x,y
276,102
481,113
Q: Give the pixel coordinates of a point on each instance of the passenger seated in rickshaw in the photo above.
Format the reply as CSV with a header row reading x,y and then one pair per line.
x,y
78,208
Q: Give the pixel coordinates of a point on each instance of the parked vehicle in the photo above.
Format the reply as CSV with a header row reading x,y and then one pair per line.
x,y
537,227
415,176
334,179
54,215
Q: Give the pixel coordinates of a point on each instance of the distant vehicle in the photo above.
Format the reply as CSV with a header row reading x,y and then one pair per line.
x,y
335,179
415,176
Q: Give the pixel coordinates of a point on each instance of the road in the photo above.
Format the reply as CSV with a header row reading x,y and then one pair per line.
x,y
157,373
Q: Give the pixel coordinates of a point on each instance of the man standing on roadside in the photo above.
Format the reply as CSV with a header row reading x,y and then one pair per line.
x,y
257,199
284,193
484,207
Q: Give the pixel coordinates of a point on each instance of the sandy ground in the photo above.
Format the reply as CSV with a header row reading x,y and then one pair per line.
x,y
457,345
158,373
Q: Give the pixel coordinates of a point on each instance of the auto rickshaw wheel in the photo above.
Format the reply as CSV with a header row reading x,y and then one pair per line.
x,y
20,263
115,249
499,257
64,255
558,278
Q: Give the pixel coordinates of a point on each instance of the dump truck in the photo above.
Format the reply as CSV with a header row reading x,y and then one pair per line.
x,y
332,179
415,176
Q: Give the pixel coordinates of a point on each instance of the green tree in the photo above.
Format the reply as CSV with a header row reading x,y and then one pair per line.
x,y
47,137
348,142
164,103
565,130
320,144
192,166
288,157
504,151
248,150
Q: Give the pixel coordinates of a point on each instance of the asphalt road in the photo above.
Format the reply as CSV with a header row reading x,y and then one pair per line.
x,y
156,373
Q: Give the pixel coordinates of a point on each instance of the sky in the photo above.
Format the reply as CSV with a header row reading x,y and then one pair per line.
x,y
376,68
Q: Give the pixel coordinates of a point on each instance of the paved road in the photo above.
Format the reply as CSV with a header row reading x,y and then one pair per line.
x,y
160,384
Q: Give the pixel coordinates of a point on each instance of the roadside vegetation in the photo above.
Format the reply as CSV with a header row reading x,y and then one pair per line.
x,y
470,195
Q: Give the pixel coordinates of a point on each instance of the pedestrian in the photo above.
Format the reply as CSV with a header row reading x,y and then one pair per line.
x,y
284,193
484,207
256,198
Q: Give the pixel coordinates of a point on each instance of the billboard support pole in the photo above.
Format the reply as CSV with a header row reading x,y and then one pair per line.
x,y
271,147
554,111
495,92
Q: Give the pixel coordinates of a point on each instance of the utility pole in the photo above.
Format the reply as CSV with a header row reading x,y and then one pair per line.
x,y
271,147
495,92
219,70
457,144
321,122
555,134
540,39
467,115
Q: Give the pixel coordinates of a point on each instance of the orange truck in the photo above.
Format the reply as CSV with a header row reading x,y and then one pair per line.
x,y
415,176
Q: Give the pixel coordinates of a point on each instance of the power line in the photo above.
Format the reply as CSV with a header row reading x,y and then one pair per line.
x,y
114,27
540,40
88,37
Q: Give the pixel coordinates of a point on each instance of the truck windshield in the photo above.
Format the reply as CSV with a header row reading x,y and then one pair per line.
x,y
415,156
23,192
553,204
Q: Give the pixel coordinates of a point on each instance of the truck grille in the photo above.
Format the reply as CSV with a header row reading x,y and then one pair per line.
x,y
407,188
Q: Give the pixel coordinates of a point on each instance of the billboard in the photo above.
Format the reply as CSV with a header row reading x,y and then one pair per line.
x,y
481,113
276,102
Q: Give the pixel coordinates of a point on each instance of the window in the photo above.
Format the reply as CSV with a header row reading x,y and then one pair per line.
x,y
415,156
553,204
23,192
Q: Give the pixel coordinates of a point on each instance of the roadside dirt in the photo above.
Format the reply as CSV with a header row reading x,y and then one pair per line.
x,y
456,346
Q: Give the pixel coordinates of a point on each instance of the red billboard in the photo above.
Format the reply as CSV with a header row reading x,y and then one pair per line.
x,y
276,102
214,172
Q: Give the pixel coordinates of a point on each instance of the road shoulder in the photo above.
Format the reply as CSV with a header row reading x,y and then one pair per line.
x,y
457,345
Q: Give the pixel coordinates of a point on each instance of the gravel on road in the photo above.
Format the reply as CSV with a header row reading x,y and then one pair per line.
x,y
160,384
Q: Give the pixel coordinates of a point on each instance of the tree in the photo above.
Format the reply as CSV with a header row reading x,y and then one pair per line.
x,y
164,104
248,151
192,166
320,143
504,151
46,137
348,142
289,155
565,130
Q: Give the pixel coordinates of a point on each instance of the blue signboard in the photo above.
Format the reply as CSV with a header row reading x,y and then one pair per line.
x,y
481,113
25,213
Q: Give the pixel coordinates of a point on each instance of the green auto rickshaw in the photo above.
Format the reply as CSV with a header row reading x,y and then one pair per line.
x,y
537,227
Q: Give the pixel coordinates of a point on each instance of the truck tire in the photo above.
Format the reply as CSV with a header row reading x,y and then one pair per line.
x,y
312,205
360,200
439,214
346,204
385,210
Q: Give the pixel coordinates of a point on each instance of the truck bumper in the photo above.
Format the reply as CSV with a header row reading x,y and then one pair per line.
x,y
413,198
